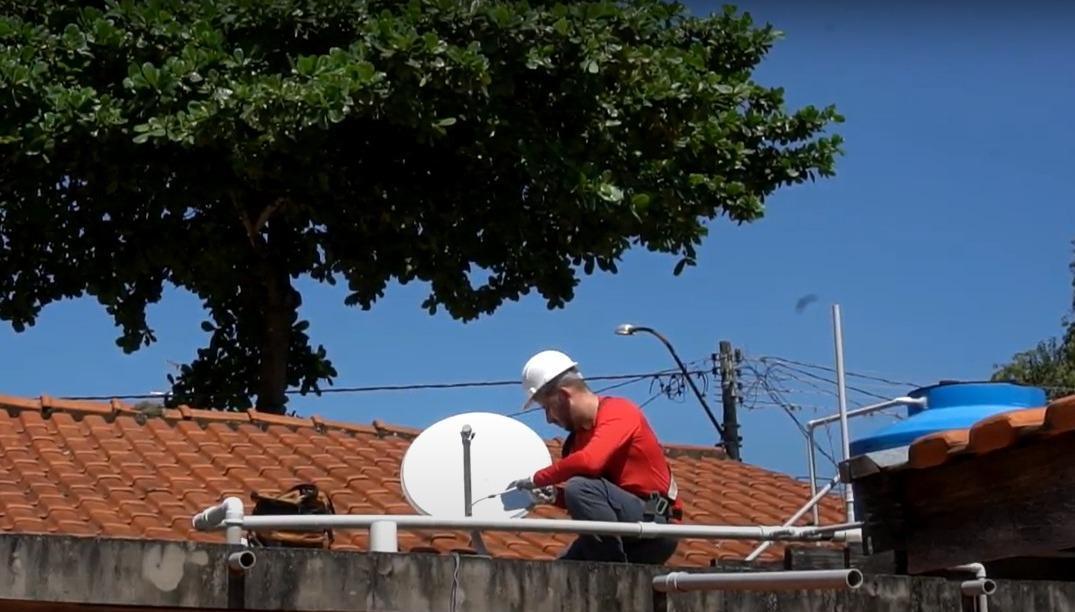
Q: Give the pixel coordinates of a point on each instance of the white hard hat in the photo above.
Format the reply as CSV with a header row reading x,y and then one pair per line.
x,y
541,369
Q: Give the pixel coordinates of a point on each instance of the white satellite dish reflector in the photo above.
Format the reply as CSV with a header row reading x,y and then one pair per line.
x,y
502,450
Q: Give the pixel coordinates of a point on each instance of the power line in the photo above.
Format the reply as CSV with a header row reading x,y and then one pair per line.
x,y
816,366
629,378
656,376
829,380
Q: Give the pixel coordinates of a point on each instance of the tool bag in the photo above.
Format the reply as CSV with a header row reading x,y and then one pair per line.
x,y
298,500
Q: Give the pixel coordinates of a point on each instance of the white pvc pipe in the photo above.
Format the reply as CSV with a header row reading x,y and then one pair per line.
x,y
759,581
794,517
383,537
811,446
980,588
848,535
640,529
242,560
896,401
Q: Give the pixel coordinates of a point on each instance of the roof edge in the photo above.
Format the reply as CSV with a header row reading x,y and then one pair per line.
x,y
48,405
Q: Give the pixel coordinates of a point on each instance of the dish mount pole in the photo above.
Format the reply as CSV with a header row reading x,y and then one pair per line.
x,y
467,434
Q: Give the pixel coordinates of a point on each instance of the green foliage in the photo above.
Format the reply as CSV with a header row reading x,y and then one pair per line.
x,y
487,148
1051,364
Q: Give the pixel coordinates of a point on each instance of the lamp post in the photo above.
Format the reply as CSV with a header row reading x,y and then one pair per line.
x,y
627,329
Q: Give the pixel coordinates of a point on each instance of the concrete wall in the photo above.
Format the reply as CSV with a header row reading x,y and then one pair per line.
x,y
187,575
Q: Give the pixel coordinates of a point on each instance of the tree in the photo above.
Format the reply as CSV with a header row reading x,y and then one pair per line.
x,y
487,148
1051,364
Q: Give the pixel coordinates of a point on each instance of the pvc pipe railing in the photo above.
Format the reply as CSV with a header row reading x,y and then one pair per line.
x,y
759,581
384,527
638,530
811,446
794,517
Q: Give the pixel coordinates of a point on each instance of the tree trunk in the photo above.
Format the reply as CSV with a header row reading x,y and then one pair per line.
x,y
279,310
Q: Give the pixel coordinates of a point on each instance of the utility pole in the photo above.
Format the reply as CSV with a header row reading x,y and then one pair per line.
x,y
729,392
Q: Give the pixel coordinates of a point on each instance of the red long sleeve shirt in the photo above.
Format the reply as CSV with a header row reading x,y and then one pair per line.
x,y
620,447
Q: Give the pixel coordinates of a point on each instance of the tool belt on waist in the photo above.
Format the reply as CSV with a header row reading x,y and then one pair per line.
x,y
659,505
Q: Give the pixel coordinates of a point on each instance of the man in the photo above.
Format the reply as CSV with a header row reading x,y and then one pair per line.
x,y
612,467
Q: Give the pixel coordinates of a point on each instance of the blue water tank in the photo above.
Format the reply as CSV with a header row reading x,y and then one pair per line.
x,y
950,405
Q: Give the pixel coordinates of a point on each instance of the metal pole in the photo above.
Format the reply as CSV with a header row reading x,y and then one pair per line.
x,y
841,393
467,434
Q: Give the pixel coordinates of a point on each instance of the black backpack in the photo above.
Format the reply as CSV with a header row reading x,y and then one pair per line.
x,y
298,500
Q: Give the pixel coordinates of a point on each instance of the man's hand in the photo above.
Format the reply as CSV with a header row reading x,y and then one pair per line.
x,y
523,484
544,495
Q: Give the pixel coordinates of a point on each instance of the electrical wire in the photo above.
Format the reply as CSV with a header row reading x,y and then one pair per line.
x,y
829,380
417,387
647,402
656,376
816,366
673,389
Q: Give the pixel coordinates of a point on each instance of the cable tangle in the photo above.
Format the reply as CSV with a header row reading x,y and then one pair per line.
x,y
675,385
773,381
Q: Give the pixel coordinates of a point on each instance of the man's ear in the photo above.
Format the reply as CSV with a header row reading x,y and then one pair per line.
x,y
565,394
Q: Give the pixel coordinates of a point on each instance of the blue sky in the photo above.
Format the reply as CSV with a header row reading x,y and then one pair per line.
x,y
945,238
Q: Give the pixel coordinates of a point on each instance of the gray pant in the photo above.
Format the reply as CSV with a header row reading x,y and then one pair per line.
x,y
597,499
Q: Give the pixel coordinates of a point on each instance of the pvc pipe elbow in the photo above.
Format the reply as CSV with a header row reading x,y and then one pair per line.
x,y
211,518
233,508
976,568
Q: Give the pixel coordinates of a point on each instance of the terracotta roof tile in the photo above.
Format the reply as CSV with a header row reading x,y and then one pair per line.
x,y
1002,430
1060,415
934,449
106,470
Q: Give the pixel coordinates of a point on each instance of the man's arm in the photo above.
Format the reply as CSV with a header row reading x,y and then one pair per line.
x,y
610,435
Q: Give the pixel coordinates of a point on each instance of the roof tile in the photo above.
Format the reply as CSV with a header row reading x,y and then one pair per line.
x,y
1060,415
934,449
1001,430
100,469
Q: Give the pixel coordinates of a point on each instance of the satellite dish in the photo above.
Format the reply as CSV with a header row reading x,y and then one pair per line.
x,y
502,450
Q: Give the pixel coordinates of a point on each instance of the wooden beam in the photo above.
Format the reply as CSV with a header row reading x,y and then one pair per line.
x,y
1017,501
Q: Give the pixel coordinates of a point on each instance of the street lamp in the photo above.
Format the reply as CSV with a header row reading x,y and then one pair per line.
x,y
626,329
